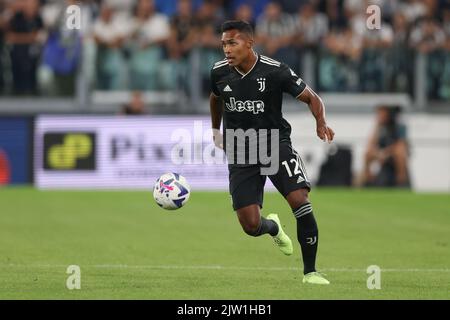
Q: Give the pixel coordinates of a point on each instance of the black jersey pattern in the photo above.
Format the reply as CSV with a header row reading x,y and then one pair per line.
x,y
254,100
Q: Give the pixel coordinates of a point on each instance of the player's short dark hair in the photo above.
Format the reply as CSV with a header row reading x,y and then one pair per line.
x,y
240,25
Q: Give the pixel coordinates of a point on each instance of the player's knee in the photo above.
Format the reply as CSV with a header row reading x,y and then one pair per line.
x,y
298,198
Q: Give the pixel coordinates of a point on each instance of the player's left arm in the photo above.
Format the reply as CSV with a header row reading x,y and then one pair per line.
x,y
317,108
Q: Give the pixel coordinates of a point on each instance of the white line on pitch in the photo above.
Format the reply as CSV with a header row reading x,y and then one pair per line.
x,y
217,267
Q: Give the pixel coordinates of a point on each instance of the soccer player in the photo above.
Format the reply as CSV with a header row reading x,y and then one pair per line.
x,y
247,91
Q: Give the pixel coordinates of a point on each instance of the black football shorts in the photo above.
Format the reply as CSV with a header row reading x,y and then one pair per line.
x,y
247,183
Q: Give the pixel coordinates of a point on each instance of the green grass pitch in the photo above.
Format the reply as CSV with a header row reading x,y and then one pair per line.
x,y
129,248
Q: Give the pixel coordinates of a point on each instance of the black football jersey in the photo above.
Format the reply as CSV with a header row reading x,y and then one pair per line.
x,y
254,100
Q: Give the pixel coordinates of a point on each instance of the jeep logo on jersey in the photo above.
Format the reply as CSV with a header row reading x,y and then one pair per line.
x,y
240,106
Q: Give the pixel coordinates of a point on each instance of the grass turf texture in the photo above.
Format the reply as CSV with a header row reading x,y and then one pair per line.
x,y
129,248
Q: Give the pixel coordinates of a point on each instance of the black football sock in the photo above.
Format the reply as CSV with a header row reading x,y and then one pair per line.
x,y
307,235
266,226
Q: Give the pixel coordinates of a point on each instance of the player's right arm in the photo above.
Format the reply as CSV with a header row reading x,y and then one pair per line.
x,y
216,108
317,108
295,86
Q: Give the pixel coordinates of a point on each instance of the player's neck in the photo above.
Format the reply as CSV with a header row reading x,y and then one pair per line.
x,y
248,63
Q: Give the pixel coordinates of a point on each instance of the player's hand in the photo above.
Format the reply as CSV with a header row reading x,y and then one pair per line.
x,y
218,138
324,132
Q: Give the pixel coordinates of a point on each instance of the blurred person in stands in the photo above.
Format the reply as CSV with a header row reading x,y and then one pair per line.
x,y
170,7
4,13
257,6
444,91
334,10
376,43
400,57
275,32
429,39
150,32
293,6
245,13
386,157
339,60
182,39
24,34
122,8
136,105
311,28
209,22
413,9
109,35
62,50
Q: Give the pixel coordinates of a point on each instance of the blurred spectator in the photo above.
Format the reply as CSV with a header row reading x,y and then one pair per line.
x,y
275,32
446,24
181,41
387,151
151,31
373,59
123,8
62,51
131,45
3,26
444,90
427,36
183,34
312,26
387,8
170,7
257,5
413,9
429,39
109,35
24,34
400,57
292,6
209,24
136,106
354,7
339,61
245,12
334,11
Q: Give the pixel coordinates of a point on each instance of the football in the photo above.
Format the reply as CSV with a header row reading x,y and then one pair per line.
x,y
171,191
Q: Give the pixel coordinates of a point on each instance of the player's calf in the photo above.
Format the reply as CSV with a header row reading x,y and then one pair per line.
x,y
264,226
307,235
253,224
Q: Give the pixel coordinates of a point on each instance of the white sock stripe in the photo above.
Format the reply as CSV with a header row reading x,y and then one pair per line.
x,y
304,208
302,214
